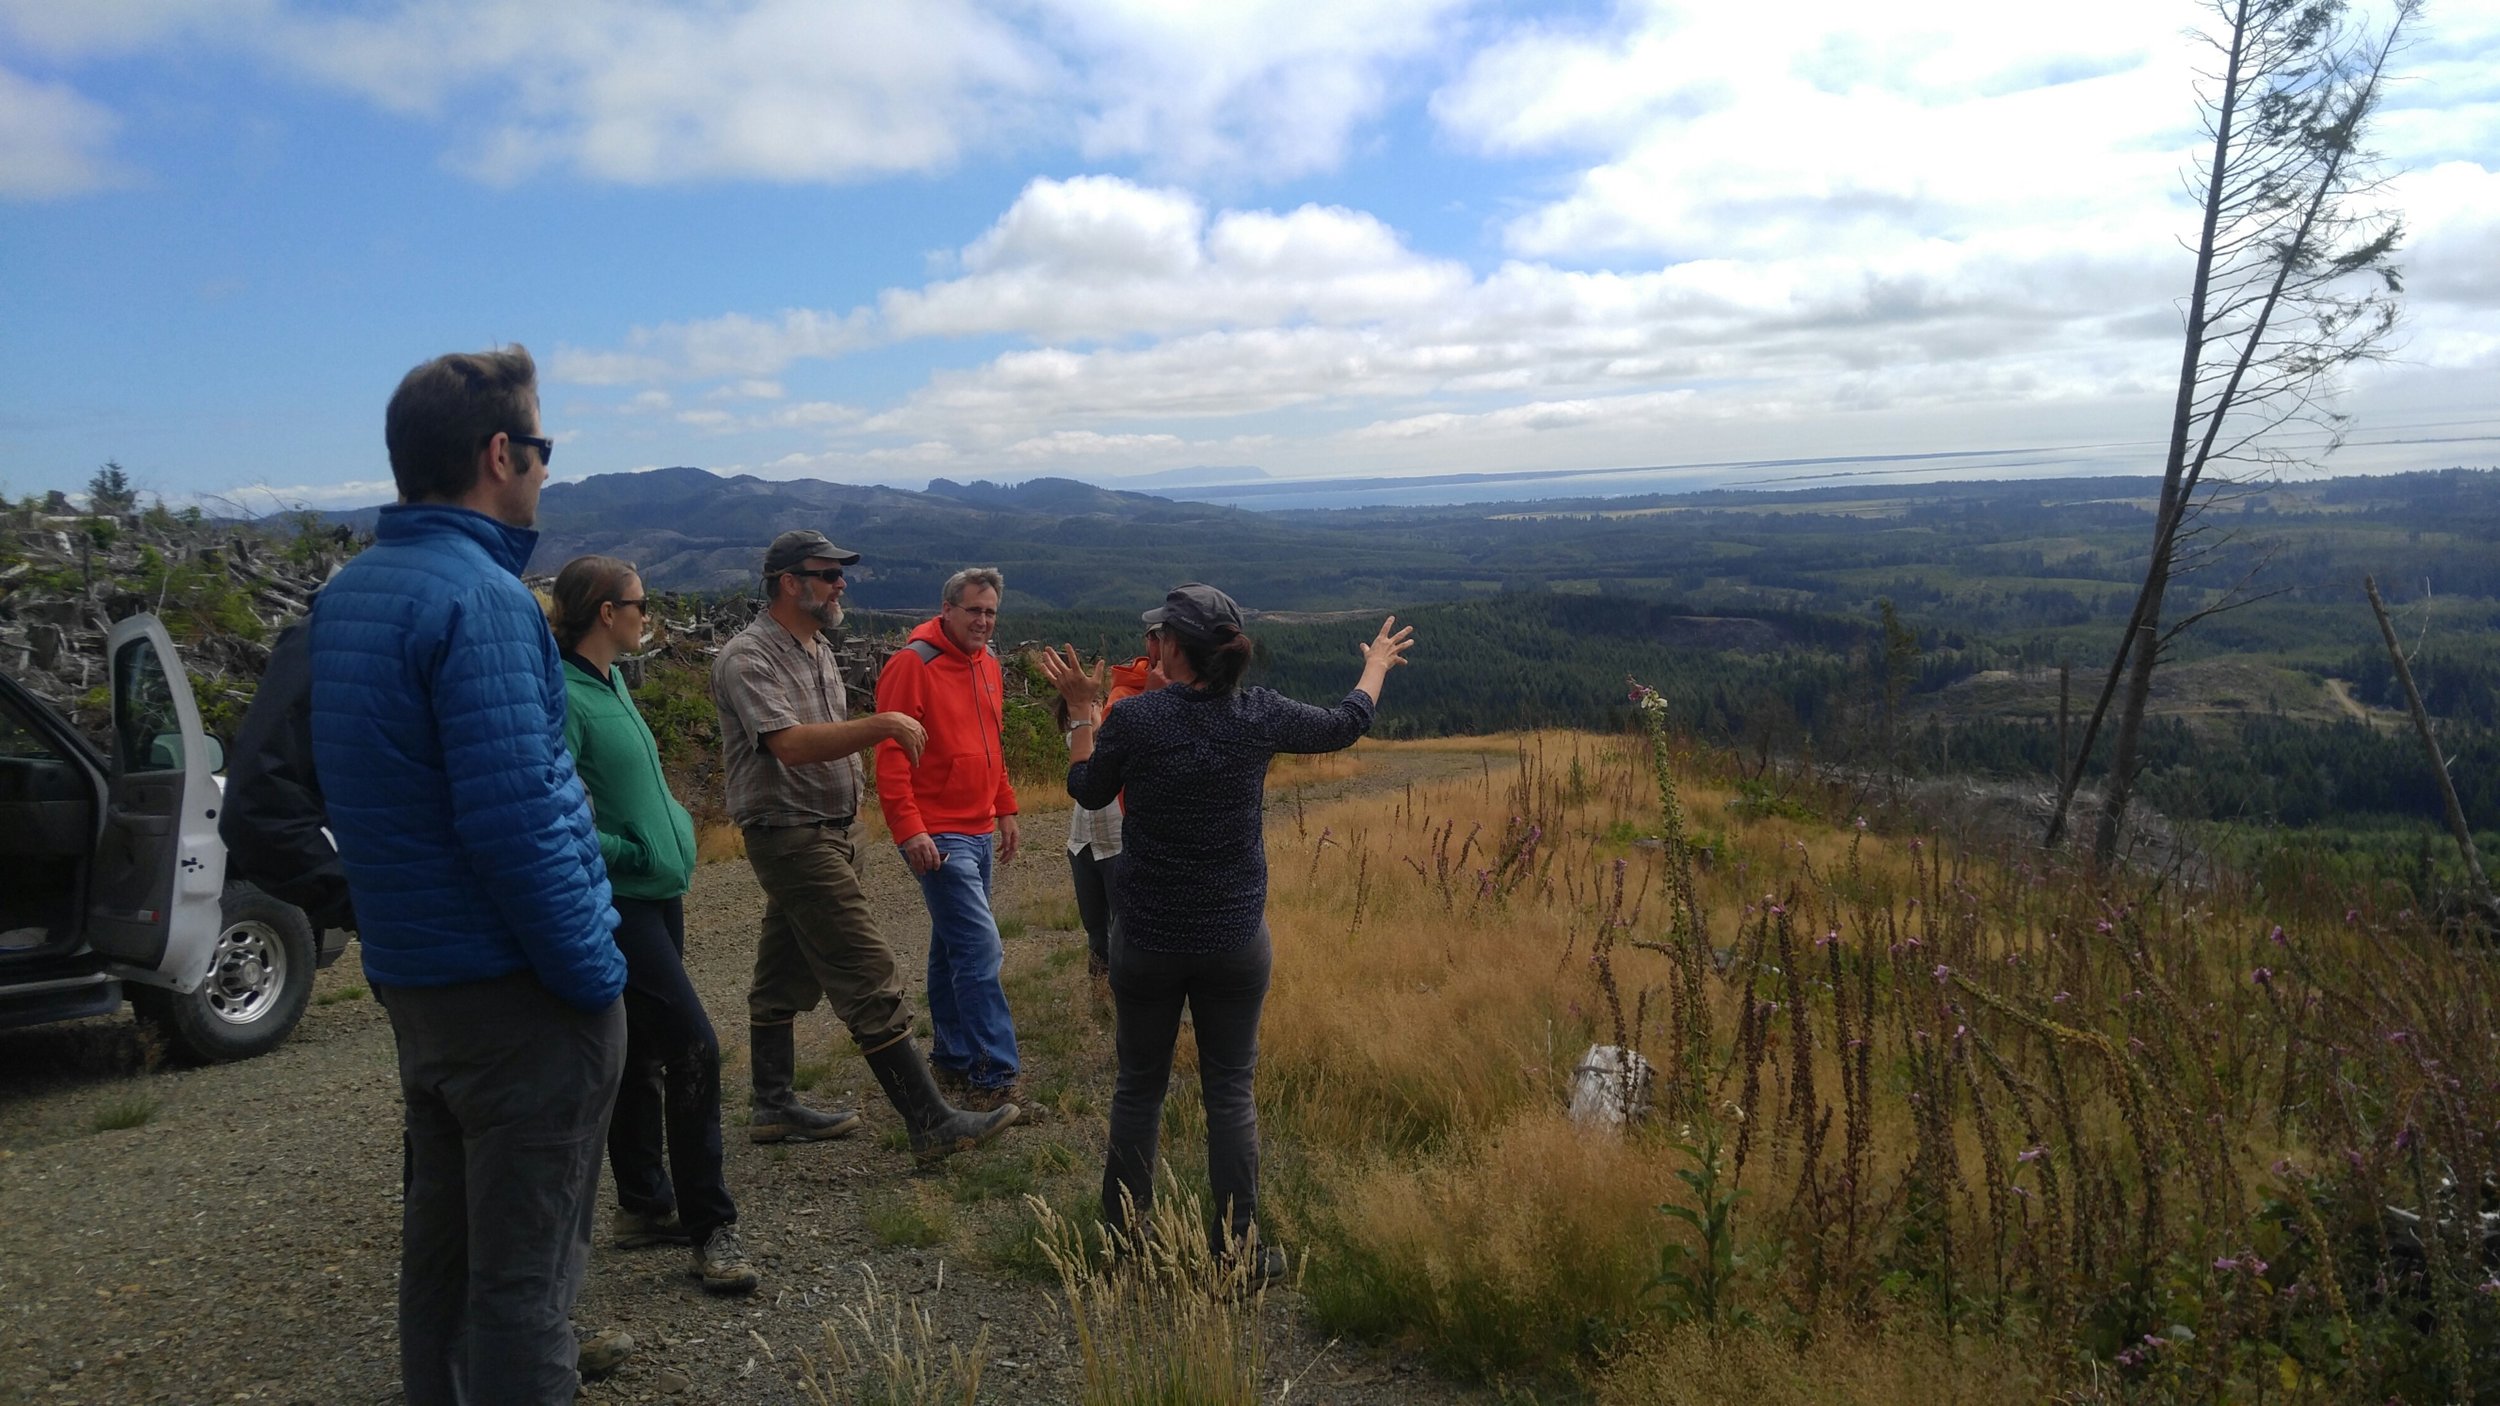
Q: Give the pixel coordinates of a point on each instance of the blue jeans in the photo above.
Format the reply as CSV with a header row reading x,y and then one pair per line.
x,y
971,1032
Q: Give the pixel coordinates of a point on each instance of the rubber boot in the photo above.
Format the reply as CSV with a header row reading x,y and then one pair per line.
x,y
938,1129
777,1115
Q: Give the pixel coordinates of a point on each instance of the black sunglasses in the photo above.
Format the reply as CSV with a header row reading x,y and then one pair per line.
x,y
821,573
637,603
546,447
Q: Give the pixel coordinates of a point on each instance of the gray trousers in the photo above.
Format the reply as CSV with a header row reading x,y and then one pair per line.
x,y
508,1092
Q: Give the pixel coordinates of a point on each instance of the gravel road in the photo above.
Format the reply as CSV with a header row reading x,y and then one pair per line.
x,y
240,1242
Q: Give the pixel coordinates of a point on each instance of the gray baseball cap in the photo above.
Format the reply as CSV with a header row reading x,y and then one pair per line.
x,y
792,549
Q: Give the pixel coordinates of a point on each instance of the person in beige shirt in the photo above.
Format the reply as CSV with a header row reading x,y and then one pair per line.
x,y
790,755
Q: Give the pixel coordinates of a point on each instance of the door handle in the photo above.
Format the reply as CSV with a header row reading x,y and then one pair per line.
x,y
140,822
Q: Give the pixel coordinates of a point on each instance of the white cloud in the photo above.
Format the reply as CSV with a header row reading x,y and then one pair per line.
x,y
659,92
1093,455
643,93
263,497
1981,313
1144,311
1263,89
736,345
1099,257
1840,127
91,28
53,142
1093,258
1087,444
806,413
797,415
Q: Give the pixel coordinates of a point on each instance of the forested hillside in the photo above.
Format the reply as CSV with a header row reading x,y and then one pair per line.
x,y
1910,630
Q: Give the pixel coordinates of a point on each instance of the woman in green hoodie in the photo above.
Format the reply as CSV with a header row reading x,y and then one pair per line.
x,y
671,1090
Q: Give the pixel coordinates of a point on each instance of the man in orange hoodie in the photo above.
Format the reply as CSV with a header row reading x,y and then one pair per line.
x,y
943,811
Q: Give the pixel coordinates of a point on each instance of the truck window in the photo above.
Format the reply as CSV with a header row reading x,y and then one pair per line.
x,y
146,728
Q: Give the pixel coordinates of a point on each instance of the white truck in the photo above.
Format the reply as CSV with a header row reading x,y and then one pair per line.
x,y
112,879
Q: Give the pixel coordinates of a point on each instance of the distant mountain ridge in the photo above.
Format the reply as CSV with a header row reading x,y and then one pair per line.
x,y
1061,542
1068,545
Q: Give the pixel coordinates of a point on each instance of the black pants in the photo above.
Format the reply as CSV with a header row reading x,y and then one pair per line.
x,y
1093,878
508,1092
671,1091
1224,993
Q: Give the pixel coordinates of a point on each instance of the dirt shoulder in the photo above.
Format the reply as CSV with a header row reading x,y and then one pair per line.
x,y
241,1241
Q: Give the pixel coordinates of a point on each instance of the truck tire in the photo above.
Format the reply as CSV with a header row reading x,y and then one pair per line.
x,y
257,986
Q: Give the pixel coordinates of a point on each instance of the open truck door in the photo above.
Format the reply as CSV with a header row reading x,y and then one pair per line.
x,y
160,871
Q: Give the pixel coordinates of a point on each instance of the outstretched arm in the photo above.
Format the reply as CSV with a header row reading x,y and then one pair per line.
x,y
1300,727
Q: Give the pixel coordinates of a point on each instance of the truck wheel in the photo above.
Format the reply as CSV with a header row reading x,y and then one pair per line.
x,y
257,986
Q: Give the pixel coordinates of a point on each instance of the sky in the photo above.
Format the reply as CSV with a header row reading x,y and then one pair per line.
x,y
872,242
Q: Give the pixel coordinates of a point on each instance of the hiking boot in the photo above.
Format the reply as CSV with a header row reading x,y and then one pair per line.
x,y
630,1231
1265,1265
721,1263
600,1354
793,1121
777,1115
938,1129
982,1098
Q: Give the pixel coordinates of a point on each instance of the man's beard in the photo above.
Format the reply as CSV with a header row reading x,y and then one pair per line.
x,y
828,613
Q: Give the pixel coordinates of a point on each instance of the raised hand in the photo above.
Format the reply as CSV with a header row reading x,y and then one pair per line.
x,y
1067,673
1387,649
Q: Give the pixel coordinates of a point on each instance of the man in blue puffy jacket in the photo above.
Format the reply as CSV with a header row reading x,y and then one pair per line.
x,y
438,732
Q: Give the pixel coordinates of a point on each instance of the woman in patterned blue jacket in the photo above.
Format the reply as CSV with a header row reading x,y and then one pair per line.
x,y
1189,908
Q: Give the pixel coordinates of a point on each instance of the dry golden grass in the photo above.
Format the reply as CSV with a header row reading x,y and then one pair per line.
x,y
1160,1322
1949,1090
1502,1242
1692,1366
1299,770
